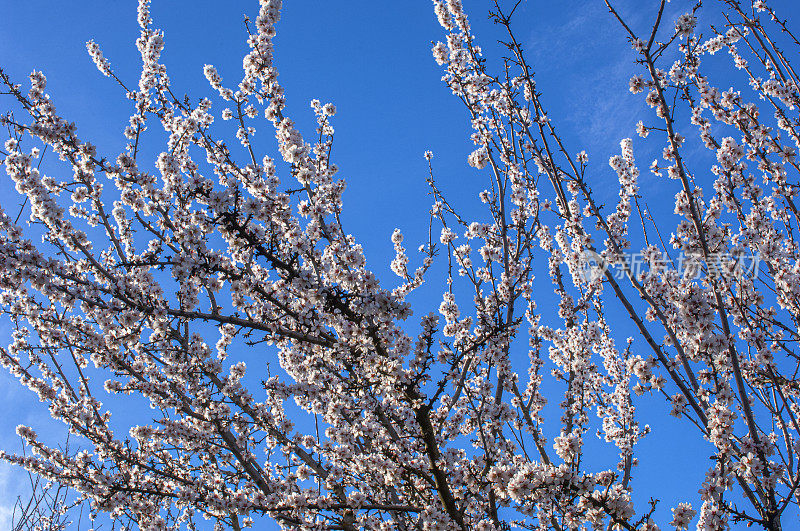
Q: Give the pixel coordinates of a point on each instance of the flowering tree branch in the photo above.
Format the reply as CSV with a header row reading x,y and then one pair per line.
x,y
158,284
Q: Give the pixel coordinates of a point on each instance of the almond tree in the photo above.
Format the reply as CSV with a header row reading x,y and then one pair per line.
x,y
153,280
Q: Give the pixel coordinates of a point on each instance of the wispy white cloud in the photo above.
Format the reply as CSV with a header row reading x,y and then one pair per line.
x,y
583,63
7,498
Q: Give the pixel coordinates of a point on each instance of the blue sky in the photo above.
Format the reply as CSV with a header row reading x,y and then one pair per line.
x,y
372,60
